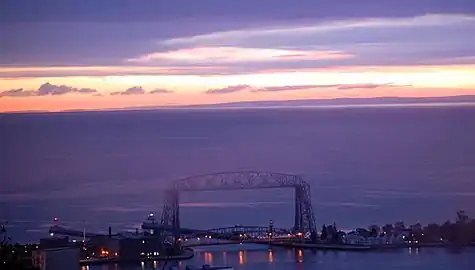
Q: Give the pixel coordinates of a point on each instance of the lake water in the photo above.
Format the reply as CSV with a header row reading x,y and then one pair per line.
x,y
364,165
243,257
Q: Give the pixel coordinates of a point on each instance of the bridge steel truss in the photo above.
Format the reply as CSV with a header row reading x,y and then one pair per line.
x,y
247,230
304,220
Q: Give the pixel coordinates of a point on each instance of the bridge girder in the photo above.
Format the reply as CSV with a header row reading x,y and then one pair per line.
x,y
304,217
247,229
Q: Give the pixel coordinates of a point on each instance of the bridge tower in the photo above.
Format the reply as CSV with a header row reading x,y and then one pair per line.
x,y
270,232
171,211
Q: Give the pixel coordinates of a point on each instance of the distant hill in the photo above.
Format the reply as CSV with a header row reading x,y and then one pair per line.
x,y
341,101
337,102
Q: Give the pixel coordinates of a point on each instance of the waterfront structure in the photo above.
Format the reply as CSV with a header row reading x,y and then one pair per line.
x,y
56,258
359,238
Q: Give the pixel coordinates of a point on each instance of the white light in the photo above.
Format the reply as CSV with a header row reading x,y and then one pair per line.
x,y
74,240
143,241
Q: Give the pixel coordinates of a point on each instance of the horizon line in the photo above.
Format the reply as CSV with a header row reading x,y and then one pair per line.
x,y
284,104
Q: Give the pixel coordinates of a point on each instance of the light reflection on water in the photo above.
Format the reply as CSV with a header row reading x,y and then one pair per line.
x,y
271,256
241,258
208,257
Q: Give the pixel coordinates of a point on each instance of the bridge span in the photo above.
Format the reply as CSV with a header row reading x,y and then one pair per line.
x,y
304,219
199,242
236,232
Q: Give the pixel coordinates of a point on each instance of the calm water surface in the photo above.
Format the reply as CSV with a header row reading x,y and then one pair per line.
x,y
253,258
365,166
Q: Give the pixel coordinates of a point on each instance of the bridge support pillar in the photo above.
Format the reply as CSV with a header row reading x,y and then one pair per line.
x,y
299,208
171,212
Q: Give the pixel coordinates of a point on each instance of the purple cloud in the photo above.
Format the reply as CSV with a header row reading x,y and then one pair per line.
x,y
291,88
47,89
136,90
161,91
228,89
139,90
412,39
86,90
368,86
51,89
20,92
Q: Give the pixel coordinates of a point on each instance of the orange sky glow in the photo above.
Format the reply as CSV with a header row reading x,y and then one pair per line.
x,y
420,81
121,65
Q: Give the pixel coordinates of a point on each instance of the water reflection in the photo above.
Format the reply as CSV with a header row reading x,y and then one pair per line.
x,y
225,257
208,257
270,256
242,259
293,259
299,256
110,267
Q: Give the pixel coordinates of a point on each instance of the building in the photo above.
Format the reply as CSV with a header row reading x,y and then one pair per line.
x,y
54,242
133,248
126,246
56,259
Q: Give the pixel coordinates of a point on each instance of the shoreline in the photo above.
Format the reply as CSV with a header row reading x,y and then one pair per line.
x,y
345,247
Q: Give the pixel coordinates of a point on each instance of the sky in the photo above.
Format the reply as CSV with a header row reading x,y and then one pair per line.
x,y
66,54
